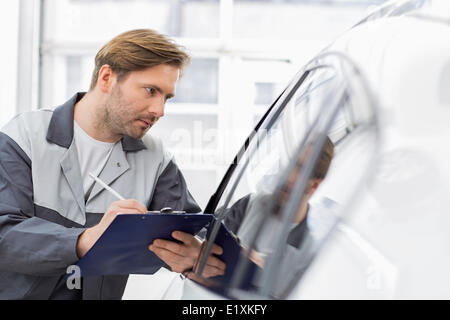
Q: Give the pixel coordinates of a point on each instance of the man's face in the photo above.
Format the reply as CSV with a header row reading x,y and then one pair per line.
x,y
134,104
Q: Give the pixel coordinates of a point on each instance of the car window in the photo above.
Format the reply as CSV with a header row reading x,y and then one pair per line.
x,y
277,139
266,202
353,131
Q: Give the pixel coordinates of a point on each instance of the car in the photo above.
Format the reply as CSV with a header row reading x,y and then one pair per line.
x,y
377,222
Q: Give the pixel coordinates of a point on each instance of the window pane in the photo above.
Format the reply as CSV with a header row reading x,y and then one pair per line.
x,y
199,82
73,75
265,93
177,18
289,20
197,18
99,21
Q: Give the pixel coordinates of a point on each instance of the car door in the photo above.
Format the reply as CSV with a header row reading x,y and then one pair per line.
x,y
273,198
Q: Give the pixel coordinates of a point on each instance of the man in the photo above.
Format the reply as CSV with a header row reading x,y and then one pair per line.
x,y
238,217
309,226
52,212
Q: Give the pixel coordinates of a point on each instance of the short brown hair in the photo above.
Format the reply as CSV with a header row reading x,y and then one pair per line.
x,y
324,161
137,50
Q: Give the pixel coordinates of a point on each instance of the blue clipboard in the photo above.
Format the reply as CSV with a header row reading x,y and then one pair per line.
x,y
123,247
232,252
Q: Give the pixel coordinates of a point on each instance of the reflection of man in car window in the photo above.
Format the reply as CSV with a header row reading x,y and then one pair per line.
x,y
319,173
238,212
303,237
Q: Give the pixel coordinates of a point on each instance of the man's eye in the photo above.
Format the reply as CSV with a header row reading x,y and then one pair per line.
x,y
152,91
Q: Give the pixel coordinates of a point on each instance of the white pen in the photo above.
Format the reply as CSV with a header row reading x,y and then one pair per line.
x,y
104,185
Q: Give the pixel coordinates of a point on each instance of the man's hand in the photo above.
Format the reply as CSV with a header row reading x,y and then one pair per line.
x,y
182,256
87,239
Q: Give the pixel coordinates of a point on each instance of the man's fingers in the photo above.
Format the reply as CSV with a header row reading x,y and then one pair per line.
x,y
181,257
189,239
171,246
180,263
111,214
126,210
168,256
212,271
131,204
186,238
256,257
134,204
201,280
216,249
176,262
216,263
209,272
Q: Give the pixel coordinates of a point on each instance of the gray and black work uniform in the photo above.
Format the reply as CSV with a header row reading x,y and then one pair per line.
x,y
43,208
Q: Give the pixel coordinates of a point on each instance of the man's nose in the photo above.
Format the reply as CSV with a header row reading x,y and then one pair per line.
x,y
157,107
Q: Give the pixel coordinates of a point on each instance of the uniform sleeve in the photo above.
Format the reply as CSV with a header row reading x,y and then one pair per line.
x,y
236,214
171,191
28,244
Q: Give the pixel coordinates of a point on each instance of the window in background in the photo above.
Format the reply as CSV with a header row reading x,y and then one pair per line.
x,y
199,83
9,21
73,74
195,18
265,93
310,20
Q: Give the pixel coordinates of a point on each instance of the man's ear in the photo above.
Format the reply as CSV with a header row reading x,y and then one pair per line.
x,y
313,185
105,78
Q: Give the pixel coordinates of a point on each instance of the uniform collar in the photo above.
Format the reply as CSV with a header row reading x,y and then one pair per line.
x,y
60,129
